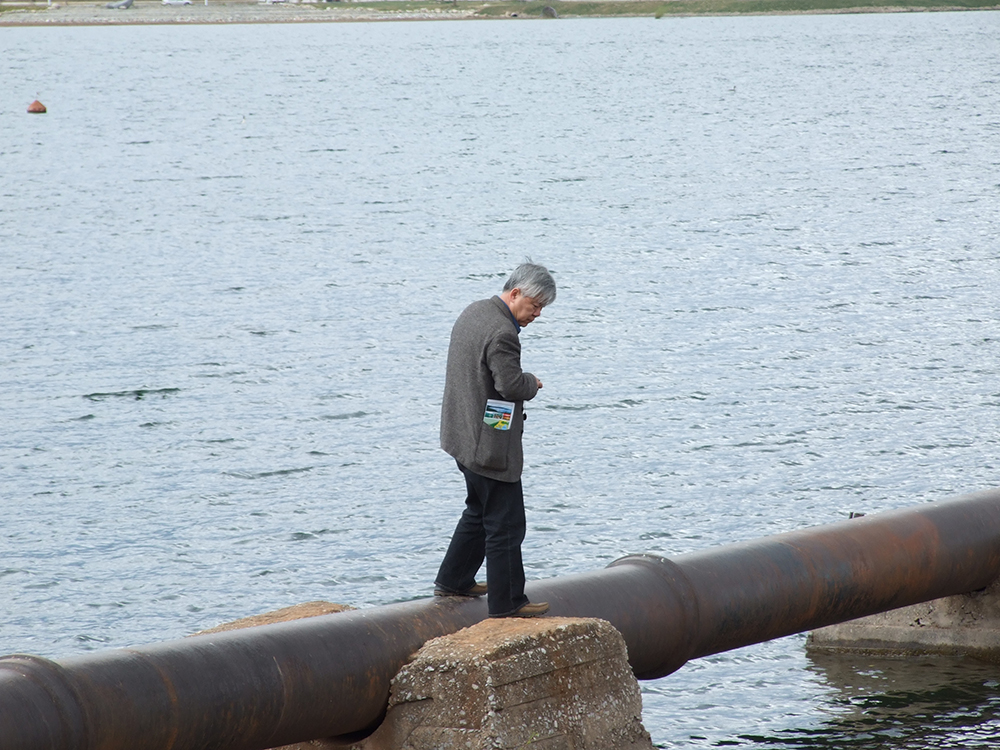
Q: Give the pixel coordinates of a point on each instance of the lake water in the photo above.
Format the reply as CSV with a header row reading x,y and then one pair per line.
x,y
231,257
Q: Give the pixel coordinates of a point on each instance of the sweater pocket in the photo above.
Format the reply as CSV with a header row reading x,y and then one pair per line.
x,y
492,447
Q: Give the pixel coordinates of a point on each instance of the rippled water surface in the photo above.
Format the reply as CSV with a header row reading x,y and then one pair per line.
x,y
231,257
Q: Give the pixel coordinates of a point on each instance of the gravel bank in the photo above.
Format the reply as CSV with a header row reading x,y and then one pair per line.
x,y
230,11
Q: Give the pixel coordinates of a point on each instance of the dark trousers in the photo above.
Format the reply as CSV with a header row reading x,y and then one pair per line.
x,y
491,527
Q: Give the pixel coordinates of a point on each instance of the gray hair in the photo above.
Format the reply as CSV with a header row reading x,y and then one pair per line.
x,y
534,281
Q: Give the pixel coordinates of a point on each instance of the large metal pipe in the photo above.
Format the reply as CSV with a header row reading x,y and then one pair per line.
x,y
329,676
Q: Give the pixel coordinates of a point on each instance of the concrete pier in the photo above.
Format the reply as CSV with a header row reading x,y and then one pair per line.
x,y
549,683
963,625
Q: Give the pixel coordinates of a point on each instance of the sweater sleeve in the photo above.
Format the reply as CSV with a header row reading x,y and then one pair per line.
x,y
503,355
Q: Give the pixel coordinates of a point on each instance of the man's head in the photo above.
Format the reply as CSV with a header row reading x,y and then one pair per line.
x,y
528,289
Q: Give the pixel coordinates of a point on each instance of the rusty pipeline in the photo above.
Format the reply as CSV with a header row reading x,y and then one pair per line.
x,y
329,676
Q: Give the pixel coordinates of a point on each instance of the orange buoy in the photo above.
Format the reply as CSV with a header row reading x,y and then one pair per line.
x,y
36,107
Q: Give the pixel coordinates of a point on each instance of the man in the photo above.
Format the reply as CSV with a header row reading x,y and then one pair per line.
x,y
482,419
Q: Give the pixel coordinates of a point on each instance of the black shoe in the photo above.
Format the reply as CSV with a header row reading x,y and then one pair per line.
x,y
477,589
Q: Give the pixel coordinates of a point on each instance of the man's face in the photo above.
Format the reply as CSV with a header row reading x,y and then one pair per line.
x,y
524,309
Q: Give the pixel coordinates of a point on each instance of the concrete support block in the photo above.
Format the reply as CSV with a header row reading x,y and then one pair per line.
x,y
546,683
967,625
295,612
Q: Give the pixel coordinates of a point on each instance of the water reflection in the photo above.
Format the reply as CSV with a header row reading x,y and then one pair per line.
x,y
900,703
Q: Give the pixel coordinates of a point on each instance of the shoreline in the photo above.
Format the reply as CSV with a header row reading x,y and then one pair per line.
x,y
155,12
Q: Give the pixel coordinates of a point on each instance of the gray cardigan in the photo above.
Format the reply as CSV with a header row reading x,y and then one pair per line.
x,y
484,361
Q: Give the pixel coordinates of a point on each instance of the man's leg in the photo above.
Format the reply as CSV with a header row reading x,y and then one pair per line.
x,y
504,523
467,549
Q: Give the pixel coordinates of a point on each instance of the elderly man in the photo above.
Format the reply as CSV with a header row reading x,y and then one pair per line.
x,y
482,419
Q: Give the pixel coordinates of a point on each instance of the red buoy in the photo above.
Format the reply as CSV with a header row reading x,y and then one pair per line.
x,y
36,107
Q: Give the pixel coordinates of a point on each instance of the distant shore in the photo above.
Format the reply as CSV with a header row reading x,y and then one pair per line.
x,y
90,13
154,12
